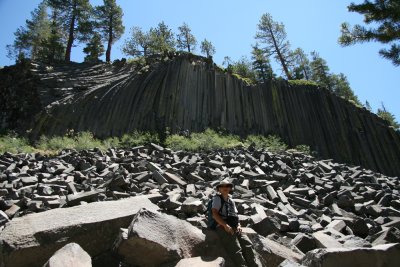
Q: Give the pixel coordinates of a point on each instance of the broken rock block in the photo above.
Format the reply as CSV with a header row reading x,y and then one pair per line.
x,y
71,255
161,238
271,253
324,240
201,262
387,255
267,226
32,239
389,235
304,242
192,206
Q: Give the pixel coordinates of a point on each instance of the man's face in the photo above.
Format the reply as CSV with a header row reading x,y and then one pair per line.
x,y
225,189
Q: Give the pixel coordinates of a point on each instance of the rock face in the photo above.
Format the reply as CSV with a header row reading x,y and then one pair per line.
x,y
201,262
387,255
32,239
154,239
70,255
187,92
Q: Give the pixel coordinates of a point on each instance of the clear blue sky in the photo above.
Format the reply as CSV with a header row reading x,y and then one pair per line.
x,y
231,26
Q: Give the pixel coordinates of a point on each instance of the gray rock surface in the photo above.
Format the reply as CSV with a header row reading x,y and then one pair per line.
x,y
48,101
32,239
387,255
161,238
70,255
201,262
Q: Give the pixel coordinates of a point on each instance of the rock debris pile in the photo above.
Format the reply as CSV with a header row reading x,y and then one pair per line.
x,y
295,209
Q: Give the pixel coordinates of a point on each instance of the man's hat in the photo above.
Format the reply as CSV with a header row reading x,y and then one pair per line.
x,y
224,182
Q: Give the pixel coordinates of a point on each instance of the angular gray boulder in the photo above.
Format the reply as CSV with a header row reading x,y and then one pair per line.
x,y
160,237
387,255
201,262
31,240
70,255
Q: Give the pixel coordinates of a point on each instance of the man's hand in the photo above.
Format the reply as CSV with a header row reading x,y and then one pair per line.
x,y
239,230
229,229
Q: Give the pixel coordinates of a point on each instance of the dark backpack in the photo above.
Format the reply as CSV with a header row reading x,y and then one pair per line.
x,y
211,222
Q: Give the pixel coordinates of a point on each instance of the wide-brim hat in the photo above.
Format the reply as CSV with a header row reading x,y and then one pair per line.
x,y
224,182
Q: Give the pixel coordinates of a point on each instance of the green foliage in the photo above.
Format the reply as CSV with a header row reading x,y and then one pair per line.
x,y
207,48
13,144
109,21
94,49
137,138
320,71
247,81
384,16
273,35
138,44
302,83
389,117
301,67
205,141
261,65
304,149
243,70
271,142
53,48
29,39
74,18
185,38
162,39
341,87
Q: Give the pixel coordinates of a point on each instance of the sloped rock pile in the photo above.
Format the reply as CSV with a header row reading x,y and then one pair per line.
x,y
295,204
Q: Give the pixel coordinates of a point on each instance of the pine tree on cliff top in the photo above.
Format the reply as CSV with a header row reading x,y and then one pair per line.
x,y
109,21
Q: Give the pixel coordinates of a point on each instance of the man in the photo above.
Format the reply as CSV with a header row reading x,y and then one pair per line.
x,y
228,229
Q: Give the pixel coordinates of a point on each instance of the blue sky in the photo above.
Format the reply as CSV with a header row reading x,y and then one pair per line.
x,y
231,26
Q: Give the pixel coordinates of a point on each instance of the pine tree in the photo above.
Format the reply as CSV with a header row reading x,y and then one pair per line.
x,y
384,15
273,35
207,48
301,65
109,21
243,68
138,44
389,117
74,17
52,48
320,71
161,39
28,39
341,87
185,38
94,49
261,65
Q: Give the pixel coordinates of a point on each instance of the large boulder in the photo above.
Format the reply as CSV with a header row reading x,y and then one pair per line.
x,y
387,255
201,262
70,255
31,240
162,238
272,253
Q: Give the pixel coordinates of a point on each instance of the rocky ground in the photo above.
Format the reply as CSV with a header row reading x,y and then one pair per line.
x,y
296,209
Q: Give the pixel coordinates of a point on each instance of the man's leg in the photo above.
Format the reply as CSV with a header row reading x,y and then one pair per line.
x,y
248,251
232,247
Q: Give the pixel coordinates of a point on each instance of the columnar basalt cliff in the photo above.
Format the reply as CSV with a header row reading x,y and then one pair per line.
x,y
188,92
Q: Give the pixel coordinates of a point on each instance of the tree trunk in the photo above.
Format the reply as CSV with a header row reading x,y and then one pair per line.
x,y
281,59
110,40
71,35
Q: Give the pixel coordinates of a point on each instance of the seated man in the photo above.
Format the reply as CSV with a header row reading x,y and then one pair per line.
x,y
228,228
